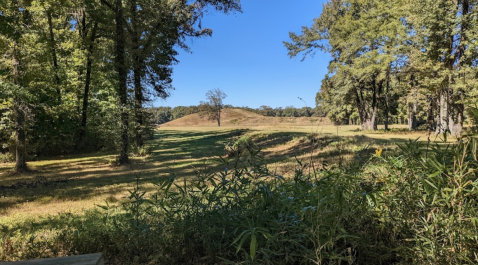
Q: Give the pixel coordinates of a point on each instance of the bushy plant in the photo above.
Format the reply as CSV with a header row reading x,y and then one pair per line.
x,y
236,148
6,157
429,198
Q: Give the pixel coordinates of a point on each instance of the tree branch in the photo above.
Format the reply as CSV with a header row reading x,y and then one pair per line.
x,y
107,4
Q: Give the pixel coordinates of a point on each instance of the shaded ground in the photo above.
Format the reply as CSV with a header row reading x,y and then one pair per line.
x,y
92,179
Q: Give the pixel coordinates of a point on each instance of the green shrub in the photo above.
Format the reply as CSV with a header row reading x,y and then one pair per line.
x,y
236,148
6,157
430,198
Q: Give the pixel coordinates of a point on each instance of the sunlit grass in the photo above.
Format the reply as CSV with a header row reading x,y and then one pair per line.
x,y
74,183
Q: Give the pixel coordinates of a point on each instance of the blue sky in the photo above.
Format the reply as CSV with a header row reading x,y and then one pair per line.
x,y
246,58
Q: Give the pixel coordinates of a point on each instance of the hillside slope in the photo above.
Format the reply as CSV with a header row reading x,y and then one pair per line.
x,y
240,117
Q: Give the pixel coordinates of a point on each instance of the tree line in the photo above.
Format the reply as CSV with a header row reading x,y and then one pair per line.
x,y
160,115
76,75
413,59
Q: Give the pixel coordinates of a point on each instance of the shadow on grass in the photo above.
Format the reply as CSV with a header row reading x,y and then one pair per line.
x,y
94,176
178,151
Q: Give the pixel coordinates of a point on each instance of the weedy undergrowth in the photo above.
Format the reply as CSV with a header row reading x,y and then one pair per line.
x,y
429,198
417,206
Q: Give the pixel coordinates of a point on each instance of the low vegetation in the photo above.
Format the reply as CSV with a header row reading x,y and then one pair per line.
x,y
413,204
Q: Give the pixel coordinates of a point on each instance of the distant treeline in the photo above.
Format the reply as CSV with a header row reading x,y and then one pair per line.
x,y
164,114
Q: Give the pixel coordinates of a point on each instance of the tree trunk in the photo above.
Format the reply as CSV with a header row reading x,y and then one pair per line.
x,y
456,127
386,119
366,120
373,121
137,74
368,124
53,53
89,60
374,104
431,116
20,140
122,79
19,116
455,122
387,107
442,119
412,112
138,107
412,118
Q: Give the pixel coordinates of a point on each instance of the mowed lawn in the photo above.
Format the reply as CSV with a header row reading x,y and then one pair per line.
x,y
77,182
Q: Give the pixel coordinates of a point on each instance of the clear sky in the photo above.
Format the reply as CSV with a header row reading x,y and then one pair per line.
x,y
246,58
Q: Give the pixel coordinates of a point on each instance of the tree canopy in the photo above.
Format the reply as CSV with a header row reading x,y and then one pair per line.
x,y
77,75
392,58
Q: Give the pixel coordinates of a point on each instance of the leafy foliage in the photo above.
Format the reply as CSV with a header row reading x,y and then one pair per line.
x,y
395,60
89,68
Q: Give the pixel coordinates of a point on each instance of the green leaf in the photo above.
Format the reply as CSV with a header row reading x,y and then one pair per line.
x,y
241,237
431,184
253,246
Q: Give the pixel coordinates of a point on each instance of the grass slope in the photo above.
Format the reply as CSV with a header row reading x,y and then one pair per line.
x,y
240,117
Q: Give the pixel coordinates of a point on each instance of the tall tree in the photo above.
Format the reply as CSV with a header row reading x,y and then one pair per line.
x,y
122,70
182,20
16,20
363,38
88,19
156,27
153,33
444,56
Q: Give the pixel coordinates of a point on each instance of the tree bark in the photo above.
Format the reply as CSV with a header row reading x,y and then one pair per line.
x,y
412,118
122,79
455,118
373,121
138,106
367,121
20,140
442,119
430,115
455,122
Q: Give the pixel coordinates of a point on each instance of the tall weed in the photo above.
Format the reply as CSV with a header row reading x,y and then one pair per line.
x,y
429,198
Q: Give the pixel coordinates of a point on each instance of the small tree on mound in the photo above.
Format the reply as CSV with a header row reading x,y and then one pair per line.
x,y
213,106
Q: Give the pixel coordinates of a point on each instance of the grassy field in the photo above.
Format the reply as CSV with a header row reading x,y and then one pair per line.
x,y
77,182
324,193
